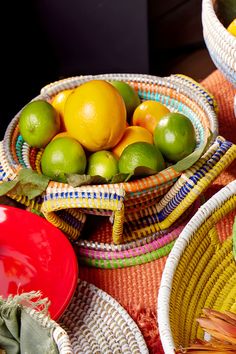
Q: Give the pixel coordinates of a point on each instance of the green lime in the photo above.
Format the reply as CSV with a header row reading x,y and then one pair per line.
x,y
39,122
63,156
175,136
102,163
140,154
130,96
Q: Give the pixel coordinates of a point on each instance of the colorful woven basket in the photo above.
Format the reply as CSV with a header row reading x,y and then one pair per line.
x,y
136,209
220,43
200,272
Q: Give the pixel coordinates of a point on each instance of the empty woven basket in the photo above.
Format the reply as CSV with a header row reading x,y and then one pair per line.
x,y
200,272
220,43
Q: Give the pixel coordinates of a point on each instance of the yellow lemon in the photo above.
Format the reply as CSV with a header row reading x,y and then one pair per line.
x,y
95,115
232,27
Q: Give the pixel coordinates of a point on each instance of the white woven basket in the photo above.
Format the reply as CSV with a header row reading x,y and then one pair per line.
x,y
220,43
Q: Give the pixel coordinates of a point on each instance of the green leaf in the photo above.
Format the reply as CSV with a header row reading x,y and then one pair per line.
x,y
7,186
27,183
76,180
190,160
234,239
121,177
144,171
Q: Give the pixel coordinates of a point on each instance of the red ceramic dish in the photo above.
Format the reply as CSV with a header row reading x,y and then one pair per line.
x,y
35,255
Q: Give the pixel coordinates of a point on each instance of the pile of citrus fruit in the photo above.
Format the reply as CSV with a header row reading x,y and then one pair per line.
x,y
102,128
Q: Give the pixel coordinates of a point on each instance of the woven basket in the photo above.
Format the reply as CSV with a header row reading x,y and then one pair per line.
x,y
94,322
136,209
200,272
220,43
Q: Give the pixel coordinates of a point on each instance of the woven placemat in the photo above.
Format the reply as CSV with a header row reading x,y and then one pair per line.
x,y
97,323
136,287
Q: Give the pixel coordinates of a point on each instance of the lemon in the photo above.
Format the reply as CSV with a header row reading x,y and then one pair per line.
x,y
102,163
141,154
58,102
95,115
148,113
39,122
232,27
131,135
63,156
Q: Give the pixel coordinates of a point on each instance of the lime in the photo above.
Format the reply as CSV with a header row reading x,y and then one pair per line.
x,y
63,156
175,136
102,163
140,154
130,96
131,135
39,122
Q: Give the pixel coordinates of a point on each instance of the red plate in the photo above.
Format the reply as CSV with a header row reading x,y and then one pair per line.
x,y
35,255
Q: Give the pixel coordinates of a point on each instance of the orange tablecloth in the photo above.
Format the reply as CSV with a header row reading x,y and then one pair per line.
x,y
136,288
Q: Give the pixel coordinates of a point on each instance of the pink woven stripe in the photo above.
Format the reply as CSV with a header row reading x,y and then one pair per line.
x,y
137,251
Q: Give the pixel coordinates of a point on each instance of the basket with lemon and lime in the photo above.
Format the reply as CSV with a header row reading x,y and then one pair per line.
x,y
136,149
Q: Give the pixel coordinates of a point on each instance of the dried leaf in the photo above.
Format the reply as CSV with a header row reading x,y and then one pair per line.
x,y
76,180
27,183
221,327
190,160
218,325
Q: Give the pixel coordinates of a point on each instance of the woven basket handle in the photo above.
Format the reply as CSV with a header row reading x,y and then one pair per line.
x,y
66,207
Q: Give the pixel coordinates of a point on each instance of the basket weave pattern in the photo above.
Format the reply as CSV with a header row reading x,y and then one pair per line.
x,y
220,43
200,271
142,207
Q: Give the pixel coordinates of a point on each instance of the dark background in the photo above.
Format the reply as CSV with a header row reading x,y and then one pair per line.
x,y
46,40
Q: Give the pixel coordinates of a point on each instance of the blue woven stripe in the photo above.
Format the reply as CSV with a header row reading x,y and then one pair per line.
x,y
69,219
201,90
224,146
83,195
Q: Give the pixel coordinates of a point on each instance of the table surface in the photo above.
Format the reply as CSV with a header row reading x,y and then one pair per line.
x,y
136,288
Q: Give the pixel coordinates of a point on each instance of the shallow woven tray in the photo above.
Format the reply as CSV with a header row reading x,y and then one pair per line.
x,y
200,271
96,323
140,208
220,43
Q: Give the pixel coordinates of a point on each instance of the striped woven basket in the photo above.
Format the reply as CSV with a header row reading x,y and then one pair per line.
x,y
220,43
200,272
140,208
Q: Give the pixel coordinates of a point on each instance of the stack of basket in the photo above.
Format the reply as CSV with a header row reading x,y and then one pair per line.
x,y
145,216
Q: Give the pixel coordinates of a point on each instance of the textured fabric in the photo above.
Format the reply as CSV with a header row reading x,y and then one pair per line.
x,y
136,288
19,331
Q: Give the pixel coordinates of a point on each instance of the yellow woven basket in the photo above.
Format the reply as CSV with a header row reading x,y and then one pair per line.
x,y
200,272
139,208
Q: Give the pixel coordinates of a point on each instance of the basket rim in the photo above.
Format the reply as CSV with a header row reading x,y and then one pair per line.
x,y
180,83
217,200
208,12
